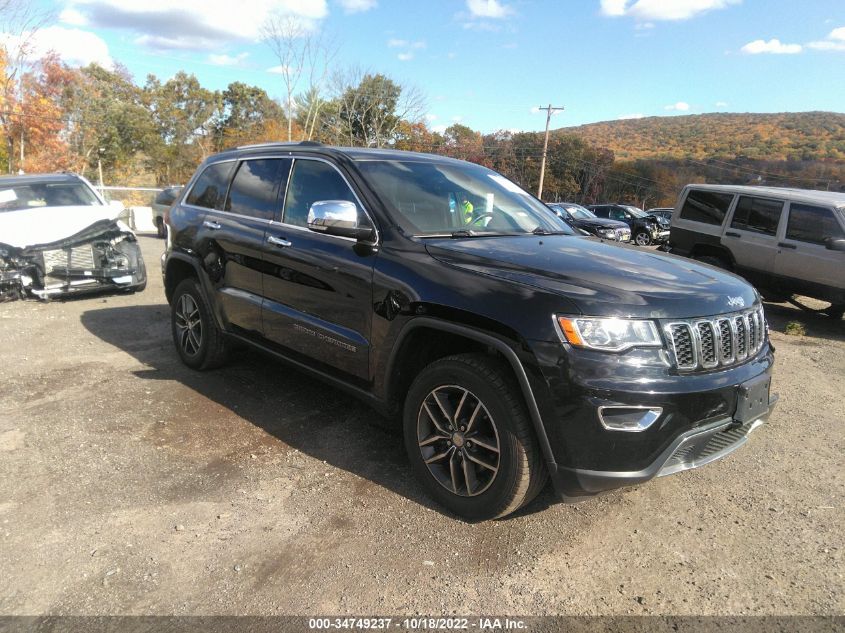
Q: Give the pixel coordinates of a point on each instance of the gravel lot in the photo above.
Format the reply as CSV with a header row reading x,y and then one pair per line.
x,y
132,485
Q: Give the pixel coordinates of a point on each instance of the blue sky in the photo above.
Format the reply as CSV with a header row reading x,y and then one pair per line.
x,y
489,63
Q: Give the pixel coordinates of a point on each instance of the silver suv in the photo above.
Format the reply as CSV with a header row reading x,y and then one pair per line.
x,y
785,241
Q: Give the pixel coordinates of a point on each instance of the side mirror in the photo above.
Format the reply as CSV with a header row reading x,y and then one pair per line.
x,y
835,245
338,217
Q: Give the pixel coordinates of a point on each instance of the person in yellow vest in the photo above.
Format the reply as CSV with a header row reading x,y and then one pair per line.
x,y
466,208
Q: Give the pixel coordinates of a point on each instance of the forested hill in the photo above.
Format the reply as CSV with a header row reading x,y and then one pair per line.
x,y
783,136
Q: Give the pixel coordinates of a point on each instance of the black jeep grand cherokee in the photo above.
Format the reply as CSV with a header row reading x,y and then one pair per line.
x,y
447,297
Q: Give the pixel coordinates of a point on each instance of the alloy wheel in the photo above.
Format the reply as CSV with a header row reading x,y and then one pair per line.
x,y
642,239
458,440
188,325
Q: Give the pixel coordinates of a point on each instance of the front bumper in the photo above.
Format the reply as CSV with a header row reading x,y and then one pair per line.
x,y
588,456
660,236
690,450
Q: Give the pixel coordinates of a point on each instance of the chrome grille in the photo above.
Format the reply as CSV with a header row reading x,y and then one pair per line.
x,y
716,342
77,258
682,343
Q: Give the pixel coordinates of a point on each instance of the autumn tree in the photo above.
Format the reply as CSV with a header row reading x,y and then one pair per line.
x,y
247,115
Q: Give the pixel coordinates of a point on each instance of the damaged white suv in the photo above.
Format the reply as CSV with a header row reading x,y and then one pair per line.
x,y
58,236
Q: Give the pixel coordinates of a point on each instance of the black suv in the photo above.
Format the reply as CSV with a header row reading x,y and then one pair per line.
x,y
645,229
584,219
450,299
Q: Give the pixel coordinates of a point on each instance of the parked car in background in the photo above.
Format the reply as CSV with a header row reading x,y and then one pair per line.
x,y
508,349
663,212
162,202
785,241
645,229
582,218
58,236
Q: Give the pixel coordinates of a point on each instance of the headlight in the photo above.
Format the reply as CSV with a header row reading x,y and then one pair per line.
x,y
610,335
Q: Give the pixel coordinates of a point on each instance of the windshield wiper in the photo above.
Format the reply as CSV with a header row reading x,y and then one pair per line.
x,y
541,231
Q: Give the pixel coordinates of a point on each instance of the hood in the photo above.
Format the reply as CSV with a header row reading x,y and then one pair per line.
x,y
603,223
602,279
44,225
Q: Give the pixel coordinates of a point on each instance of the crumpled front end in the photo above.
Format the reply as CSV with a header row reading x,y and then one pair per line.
x,y
104,257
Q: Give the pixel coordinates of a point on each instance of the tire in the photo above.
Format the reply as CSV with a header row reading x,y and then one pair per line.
x,y
718,262
472,480
642,238
199,341
161,229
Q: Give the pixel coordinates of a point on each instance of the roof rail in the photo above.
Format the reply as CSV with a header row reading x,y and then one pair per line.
x,y
281,144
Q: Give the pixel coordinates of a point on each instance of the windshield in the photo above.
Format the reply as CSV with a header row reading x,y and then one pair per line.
x,y
636,211
448,199
33,195
580,213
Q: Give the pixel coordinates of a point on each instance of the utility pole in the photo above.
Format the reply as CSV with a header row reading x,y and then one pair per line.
x,y
549,111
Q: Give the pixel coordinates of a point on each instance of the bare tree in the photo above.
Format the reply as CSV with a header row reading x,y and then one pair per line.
x,y
20,20
305,57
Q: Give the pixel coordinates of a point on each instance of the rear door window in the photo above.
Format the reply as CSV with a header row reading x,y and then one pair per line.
x,y
209,191
709,207
255,187
812,224
757,214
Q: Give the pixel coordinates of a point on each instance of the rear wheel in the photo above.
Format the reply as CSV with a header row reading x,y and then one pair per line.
x,y
642,238
469,438
199,341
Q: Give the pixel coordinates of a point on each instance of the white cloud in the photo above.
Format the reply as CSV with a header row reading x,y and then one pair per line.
x,y
405,57
613,7
430,117
75,46
721,104
773,46
227,60
625,117
191,24
662,9
357,6
835,41
395,43
488,9
680,106
457,119
439,128
72,17
277,70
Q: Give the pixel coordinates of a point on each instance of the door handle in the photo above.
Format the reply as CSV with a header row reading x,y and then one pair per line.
x,y
279,241
211,225
785,245
732,234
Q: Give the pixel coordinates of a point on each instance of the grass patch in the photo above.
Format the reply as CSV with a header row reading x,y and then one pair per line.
x,y
794,328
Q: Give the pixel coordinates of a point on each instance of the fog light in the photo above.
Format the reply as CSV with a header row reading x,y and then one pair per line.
x,y
632,419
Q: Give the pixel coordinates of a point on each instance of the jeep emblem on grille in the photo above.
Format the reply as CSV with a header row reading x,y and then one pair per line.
x,y
736,302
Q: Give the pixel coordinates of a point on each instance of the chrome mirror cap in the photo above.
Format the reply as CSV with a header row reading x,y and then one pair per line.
x,y
337,217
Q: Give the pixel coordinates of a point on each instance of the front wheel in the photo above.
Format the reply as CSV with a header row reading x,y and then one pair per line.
x,y
642,238
469,438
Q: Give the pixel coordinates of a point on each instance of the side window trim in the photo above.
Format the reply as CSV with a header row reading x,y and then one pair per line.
x,y
281,221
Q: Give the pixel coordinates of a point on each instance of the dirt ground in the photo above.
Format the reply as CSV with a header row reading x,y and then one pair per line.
x,y
132,485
